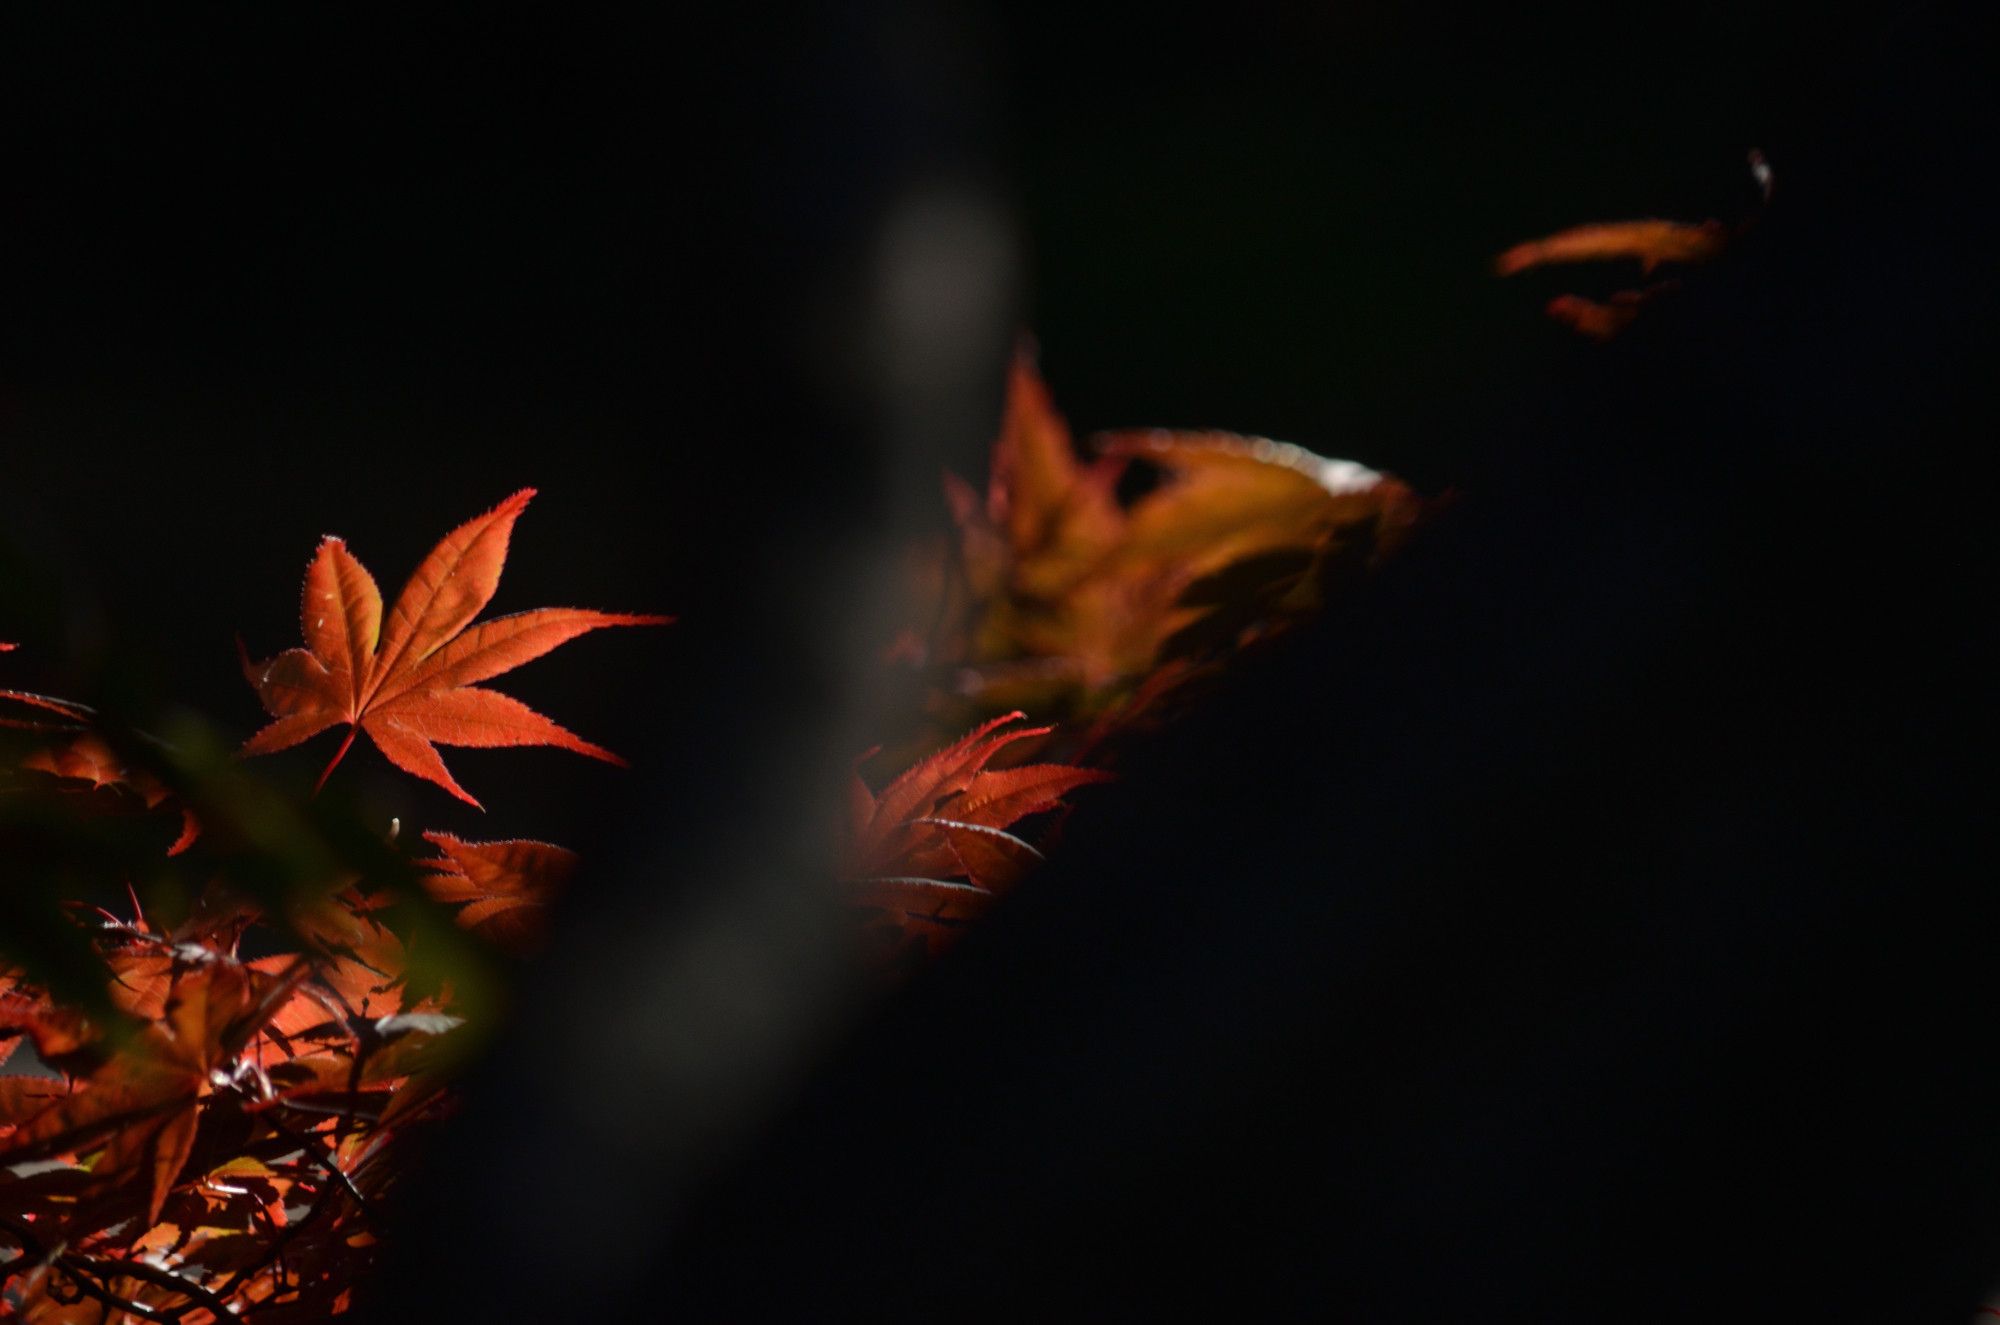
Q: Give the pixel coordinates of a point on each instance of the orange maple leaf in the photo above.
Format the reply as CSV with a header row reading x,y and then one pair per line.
x,y
143,1106
87,759
502,888
1652,242
408,682
1061,592
933,848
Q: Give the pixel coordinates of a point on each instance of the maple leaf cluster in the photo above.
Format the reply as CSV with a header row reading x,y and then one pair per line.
x,y
229,1089
216,1131
233,1082
1095,592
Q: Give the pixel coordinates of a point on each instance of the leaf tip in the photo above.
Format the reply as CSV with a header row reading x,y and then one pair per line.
x,y
190,830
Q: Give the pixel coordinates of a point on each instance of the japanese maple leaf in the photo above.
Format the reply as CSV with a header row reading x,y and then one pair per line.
x,y
85,759
82,756
1652,242
408,681
933,846
54,1031
144,1104
502,888
1062,592
360,960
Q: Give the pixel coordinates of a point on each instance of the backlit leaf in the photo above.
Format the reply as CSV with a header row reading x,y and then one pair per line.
x,y
503,888
933,847
405,677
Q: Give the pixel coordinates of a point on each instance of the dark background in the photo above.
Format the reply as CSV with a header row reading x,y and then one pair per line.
x,y
1591,922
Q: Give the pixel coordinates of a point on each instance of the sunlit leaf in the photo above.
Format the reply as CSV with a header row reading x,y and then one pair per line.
x,y
502,888
407,679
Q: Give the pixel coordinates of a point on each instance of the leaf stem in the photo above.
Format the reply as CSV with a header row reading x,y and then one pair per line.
x,y
338,755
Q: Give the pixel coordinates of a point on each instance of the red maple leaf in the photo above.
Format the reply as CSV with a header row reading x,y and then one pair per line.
x,y
142,1108
86,759
502,888
933,848
1652,242
1063,594
408,681
82,756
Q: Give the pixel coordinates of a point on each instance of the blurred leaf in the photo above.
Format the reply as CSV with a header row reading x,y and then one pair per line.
x,y
1650,242
503,888
1060,597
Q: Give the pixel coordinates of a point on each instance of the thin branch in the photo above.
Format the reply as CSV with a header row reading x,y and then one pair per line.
x,y
90,1288
159,1278
322,1155
329,1162
84,1273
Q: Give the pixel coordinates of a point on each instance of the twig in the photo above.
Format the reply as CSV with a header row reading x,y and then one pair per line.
x,y
322,1155
329,1161
83,1273
160,1278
